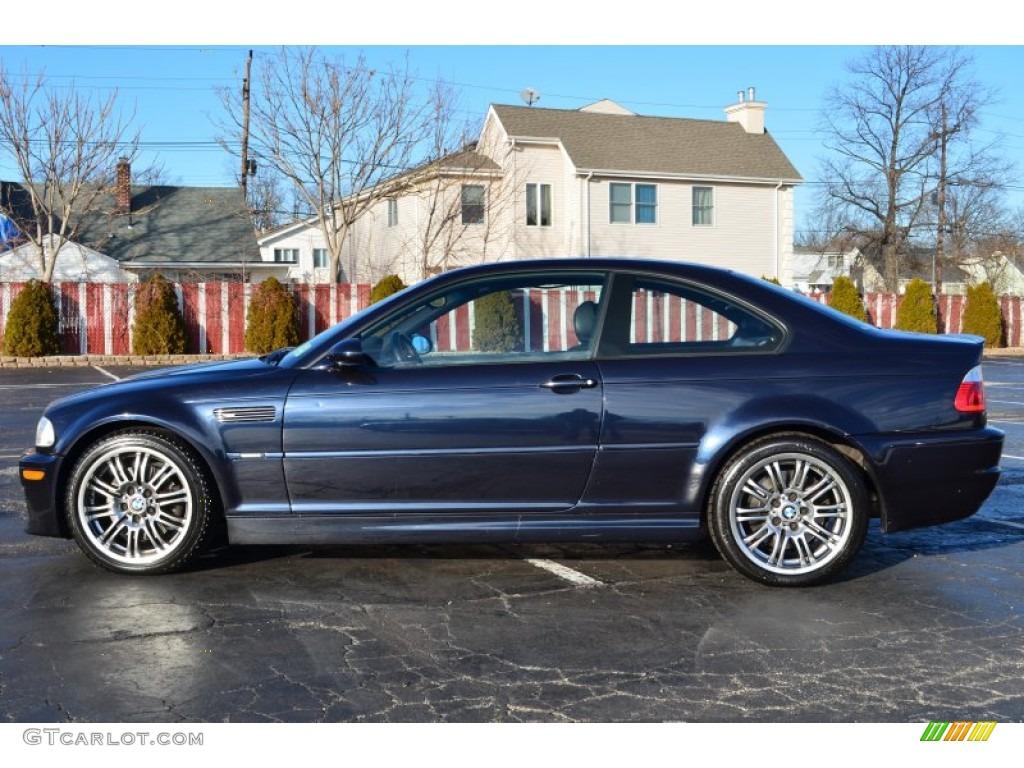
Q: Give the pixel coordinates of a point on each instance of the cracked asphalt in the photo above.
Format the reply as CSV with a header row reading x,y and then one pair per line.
x,y
926,625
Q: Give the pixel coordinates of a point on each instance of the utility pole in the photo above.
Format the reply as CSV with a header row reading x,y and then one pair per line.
x,y
245,131
941,200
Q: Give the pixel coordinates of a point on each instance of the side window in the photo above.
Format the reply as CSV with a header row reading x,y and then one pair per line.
x,y
503,319
660,317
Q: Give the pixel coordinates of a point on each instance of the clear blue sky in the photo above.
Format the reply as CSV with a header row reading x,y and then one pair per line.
x,y
169,80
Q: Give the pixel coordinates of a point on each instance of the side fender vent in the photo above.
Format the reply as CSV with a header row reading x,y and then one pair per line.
x,y
248,414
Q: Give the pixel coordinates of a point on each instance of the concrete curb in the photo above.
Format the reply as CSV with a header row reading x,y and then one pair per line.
x,y
80,361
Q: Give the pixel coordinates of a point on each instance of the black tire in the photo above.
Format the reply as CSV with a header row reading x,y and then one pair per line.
x,y
789,510
139,502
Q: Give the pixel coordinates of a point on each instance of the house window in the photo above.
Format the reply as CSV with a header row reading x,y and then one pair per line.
x,y
320,259
392,213
703,206
472,204
538,205
621,203
286,255
646,204
835,261
621,198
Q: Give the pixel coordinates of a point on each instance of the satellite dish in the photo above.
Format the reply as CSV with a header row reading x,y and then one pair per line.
x,y
530,96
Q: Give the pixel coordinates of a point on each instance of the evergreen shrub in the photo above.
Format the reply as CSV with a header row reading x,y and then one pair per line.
x,y
387,285
159,328
982,315
916,311
272,319
496,327
32,323
845,298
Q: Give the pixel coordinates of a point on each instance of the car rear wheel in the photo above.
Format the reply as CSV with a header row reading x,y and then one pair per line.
x,y
138,502
789,511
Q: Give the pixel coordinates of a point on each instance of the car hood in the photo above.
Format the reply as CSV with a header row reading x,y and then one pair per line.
x,y
182,379
215,367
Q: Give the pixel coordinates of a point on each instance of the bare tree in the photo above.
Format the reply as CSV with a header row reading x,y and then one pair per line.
x,y
64,145
886,131
335,131
461,195
266,201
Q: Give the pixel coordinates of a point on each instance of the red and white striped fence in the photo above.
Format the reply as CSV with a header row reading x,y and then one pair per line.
x,y
96,318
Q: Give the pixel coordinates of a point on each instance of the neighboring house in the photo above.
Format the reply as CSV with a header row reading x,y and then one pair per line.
x,y
814,270
598,181
185,233
918,266
1004,273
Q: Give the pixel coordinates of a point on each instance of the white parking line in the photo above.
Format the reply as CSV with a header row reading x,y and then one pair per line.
x,y
1006,402
78,384
107,373
564,572
1015,458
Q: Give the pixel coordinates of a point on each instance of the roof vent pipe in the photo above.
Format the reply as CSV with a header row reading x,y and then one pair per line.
x,y
750,94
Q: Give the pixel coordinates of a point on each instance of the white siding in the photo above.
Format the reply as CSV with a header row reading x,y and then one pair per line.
x,y
743,236
304,239
75,263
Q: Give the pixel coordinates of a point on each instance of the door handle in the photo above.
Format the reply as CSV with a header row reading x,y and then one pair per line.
x,y
568,382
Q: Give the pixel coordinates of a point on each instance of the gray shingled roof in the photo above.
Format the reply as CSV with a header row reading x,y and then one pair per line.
x,y
170,224
652,145
465,160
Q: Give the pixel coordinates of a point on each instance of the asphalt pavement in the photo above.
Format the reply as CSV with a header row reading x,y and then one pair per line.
x,y
926,625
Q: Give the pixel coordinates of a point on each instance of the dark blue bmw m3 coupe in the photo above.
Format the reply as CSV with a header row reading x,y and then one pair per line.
x,y
599,400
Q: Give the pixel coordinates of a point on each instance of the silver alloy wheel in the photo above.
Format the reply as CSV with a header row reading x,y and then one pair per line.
x,y
791,513
134,504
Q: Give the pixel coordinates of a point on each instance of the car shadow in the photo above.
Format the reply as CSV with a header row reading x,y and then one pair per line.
x,y
880,552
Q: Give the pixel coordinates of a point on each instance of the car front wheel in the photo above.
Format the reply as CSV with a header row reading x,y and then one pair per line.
x,y
789,511
138,502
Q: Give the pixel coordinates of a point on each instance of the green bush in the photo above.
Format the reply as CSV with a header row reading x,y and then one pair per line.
x,y
846,299
272,321
982,315
159,328
496,327
32,323
388,285
771,280
917,310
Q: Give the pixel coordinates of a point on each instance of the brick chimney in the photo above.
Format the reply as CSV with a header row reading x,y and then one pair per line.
x,y
123,186
747,112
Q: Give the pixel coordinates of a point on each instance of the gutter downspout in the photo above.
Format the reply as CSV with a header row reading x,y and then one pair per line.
x,y
587,182
515,183
777,249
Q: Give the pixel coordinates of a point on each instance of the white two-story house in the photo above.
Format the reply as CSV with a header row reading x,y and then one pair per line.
x,y
598,181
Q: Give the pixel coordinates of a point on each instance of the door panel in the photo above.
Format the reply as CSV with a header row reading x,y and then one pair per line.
x,y
436,438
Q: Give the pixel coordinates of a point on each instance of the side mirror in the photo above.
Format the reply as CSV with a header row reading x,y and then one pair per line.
x,y
421,344
348,354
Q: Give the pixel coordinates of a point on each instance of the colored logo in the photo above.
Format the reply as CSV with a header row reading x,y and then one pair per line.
x,y
958,731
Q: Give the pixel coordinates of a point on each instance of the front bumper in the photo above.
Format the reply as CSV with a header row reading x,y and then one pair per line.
x,y
44,517
926,479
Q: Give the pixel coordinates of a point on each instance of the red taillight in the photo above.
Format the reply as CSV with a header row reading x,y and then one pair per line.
x,y
970,397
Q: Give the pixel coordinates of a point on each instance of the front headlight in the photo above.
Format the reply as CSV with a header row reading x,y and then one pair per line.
x,y
45,436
